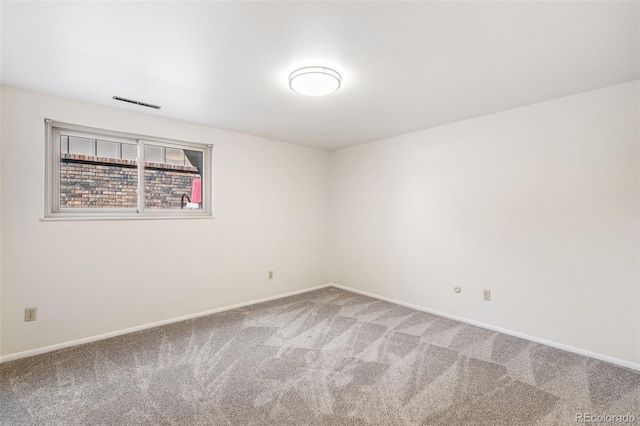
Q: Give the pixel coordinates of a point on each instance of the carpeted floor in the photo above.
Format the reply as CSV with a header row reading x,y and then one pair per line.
x,y
327,357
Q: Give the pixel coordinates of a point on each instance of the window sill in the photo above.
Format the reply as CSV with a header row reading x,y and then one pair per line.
x,y
92,218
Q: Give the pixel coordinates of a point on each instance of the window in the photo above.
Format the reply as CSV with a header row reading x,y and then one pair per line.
x,y
104,174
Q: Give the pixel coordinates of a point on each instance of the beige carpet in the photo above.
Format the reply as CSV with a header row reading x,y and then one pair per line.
x,y
327,357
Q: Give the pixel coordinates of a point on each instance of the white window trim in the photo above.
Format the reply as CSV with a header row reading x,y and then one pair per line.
x,y
52,177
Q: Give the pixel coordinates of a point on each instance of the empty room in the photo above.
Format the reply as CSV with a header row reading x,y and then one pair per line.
x,y
319,213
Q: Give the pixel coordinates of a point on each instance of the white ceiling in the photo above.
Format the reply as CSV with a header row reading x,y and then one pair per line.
x,y
406,66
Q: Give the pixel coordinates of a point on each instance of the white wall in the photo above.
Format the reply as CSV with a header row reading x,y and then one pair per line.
x,y
538,204
0,224
93,277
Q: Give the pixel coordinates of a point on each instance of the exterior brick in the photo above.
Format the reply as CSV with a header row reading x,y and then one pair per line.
x,y
99,182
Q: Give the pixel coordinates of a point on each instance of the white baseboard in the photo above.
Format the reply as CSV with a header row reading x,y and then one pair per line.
x,y
45,349
601,357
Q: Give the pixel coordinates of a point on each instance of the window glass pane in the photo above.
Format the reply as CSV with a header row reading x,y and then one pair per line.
x,y
153,154
98,183
107,149
64,144
129,152
175,156
96,171
173,186
80,146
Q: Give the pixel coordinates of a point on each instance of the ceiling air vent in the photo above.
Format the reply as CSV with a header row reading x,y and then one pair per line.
x,y
118,98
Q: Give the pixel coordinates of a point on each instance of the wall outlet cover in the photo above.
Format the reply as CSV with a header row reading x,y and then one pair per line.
x,y
486,294
30,314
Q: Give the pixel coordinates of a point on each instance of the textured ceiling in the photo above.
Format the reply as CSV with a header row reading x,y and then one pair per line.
x,y
406,66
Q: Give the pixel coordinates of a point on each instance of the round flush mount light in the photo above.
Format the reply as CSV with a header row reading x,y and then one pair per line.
x,y
314,81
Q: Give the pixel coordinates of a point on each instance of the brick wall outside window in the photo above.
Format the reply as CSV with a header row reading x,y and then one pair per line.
x,y
100,182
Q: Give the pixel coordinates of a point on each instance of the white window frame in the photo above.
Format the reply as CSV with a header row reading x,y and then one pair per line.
x,y
53,210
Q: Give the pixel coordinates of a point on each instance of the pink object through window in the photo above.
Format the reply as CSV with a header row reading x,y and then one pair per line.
x,y
196,190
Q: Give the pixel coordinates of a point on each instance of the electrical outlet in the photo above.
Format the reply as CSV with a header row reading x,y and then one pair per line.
x,y
486,294
30,314
270,275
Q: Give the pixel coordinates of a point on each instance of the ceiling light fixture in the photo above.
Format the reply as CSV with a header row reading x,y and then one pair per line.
x,y
314,81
